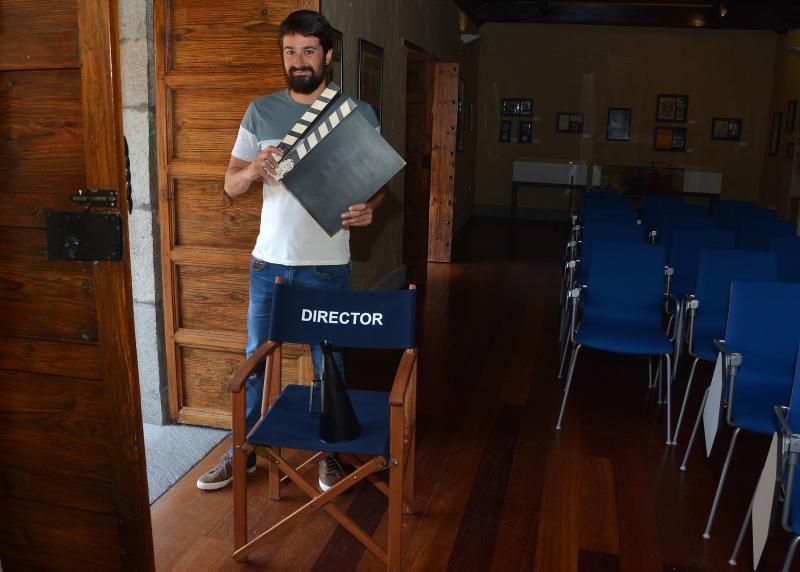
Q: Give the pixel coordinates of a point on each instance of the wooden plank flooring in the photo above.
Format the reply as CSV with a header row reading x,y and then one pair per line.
x,y
497,487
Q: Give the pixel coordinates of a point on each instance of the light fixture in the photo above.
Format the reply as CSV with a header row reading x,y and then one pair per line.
x,y
723,9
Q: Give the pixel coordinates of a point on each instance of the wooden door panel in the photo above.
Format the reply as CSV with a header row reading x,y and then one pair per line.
x,y
208,34
87,540
43,35
206,216
211,298
212,60
64,417
41,151
73,491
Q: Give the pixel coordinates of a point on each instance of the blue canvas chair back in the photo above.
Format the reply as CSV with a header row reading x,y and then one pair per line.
x,y
684,254
764,320
671,222
356,319
787,253
756,234
626,282
592,232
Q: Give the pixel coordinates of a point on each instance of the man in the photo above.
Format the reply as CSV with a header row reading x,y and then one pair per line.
x,y
290,243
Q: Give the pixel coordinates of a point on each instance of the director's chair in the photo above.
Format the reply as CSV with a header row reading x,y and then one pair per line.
x,y
373,320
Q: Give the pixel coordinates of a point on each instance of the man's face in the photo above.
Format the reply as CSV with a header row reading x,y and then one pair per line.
x,y
305,62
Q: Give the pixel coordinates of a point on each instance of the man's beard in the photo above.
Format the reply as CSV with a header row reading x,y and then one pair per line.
x,y
306,84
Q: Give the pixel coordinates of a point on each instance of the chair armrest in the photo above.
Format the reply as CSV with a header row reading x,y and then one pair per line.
x,y
402,378
668,273
248,367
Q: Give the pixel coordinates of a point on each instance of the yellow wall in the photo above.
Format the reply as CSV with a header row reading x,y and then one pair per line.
x,y
377,251
775,180
591,68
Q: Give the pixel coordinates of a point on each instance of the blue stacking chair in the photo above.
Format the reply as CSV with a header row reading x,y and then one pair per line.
x,y
621,308
728,214
672,222
683,254
756,234
787,254
653,207
788,430
759,350
373,320
706,309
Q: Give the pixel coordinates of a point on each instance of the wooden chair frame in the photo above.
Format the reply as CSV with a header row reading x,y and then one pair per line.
x,y
400,491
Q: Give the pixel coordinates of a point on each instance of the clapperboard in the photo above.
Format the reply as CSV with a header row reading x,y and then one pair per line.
x,y
335,160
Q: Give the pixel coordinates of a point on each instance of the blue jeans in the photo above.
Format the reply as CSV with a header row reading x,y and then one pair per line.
x,y
262,284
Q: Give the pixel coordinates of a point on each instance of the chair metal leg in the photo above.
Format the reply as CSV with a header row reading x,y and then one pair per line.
x,y
694,431
564,352
650,383
787,564
668,376
569,382
685,401
658,382
740,538
715,505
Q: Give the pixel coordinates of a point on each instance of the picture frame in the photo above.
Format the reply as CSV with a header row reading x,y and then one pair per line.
x,y
618,127
775,132
791,113
460,117
670,139
505,131
509,106
790,150
370,75
672,107
525,132
335,71
569,122
525,107
726,129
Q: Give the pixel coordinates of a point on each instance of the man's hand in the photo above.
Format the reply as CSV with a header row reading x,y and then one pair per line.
x,y
264,165
241,174
357,215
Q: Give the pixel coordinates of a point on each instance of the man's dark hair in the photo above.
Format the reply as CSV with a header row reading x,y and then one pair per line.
x,y
308,23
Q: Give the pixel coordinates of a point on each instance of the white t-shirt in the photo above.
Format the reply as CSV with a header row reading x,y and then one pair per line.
x,y
288,234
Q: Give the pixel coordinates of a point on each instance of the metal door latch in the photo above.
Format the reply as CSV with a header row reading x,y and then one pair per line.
x,y
95,198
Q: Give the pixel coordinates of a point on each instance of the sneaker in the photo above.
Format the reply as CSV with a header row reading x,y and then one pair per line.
x,y
330,473
222,474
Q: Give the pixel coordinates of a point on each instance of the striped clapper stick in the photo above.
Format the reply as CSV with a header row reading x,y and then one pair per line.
x,y
308,119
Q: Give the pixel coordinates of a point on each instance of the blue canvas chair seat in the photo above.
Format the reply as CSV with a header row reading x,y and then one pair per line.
x,y
760,385
623,308
288,424
387,419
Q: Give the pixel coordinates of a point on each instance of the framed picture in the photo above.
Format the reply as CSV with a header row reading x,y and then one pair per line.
x,y
670,139
370,75
672,107
525,107
335,71
775,132
619,124
525,132
791,113
569,122
505,130
726,129
790,150
509,106
460,117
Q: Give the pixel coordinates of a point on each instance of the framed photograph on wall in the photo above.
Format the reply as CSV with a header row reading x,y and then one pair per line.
x,y
569,122
791,113
525,107
619,124
509,106
775,132
670,139
671,107
505,130
525,132
726,129
335,71
370,75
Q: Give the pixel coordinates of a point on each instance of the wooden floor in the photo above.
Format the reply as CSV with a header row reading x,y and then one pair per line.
x,y
498,488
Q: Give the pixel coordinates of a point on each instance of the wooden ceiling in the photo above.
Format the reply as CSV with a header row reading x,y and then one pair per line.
x,y
777,15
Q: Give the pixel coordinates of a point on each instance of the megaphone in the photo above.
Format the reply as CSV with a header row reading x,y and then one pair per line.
x,y
337,418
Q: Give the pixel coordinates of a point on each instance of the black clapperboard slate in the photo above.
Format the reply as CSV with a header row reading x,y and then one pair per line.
x,y
338,162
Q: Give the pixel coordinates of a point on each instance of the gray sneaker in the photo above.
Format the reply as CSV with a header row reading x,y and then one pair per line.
x,y
222,474
330,472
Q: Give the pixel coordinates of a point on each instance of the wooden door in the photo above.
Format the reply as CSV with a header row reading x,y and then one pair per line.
x,y
212,59
419,123
73,485
443,162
